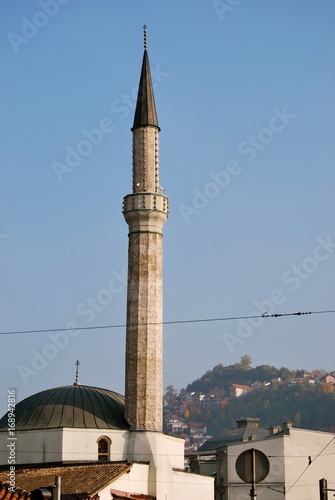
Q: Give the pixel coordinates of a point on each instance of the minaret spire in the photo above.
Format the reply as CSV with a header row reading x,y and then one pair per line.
x,y
145,112
145,211
145,37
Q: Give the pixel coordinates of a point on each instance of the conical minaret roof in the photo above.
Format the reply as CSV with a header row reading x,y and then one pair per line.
x,y
145,113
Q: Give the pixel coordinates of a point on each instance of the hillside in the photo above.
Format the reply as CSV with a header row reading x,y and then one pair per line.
x,y
274,395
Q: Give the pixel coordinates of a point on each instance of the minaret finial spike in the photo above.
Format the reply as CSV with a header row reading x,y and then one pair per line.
x,y
145,37
77,363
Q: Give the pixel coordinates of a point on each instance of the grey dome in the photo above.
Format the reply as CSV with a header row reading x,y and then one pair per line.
x,y
74,406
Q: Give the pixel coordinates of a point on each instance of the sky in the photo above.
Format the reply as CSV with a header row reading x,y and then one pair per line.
x,y
246,105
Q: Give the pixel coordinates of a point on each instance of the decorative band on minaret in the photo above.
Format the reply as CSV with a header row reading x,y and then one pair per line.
x,y
145,211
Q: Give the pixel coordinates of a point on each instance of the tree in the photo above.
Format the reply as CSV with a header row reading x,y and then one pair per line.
x,y
285,374
245,362
325,388
170,396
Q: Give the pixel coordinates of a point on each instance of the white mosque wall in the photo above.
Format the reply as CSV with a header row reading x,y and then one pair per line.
x,y
135,481
35,446
192,486
82,444
156,447
167,479
60,445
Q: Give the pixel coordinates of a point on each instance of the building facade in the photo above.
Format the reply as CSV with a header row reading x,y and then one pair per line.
x,y
297,459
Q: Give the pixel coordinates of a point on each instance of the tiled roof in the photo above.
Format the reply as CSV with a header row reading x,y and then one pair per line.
x,y
18,494
83,479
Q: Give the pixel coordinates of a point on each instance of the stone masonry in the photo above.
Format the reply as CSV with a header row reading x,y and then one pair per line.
x,y
145,211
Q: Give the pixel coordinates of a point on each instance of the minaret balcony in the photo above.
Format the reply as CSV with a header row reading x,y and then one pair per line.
x,y
145,212
145,201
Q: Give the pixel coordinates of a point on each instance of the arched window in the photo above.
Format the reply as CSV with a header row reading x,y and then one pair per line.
x,y
104,449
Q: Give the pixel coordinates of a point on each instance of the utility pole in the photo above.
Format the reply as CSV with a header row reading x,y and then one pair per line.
x,y
253,492
323,488
57,489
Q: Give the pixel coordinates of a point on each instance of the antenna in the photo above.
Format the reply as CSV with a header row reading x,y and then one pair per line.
x,y
145,37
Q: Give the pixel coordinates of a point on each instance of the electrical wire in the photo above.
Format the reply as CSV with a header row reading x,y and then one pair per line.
x,y
309,464
175,322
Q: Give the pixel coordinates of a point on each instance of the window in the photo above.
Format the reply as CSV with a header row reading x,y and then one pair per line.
x,y
104,449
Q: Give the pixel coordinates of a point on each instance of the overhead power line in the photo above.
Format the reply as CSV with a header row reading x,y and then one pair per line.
x,y
303,472
176,322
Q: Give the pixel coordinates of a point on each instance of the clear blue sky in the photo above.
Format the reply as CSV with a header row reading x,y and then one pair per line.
x,y
245,100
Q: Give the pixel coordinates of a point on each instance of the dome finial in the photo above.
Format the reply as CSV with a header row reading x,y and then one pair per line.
x,y
145,37
77,363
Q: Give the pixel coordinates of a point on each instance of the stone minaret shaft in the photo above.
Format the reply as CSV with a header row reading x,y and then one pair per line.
x,y
145,211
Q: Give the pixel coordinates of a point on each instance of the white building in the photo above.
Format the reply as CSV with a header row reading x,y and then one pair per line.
x,y
297,460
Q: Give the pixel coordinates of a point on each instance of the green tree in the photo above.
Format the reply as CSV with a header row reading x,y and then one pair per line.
x,y
245,362
285,374
170,396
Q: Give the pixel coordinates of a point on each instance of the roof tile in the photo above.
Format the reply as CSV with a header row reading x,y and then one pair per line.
x,y
81,479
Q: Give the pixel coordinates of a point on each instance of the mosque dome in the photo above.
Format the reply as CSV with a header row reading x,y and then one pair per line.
x,y
73,406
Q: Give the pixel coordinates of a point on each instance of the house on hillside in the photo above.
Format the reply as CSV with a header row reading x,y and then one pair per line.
x,y
198,435
327,378
197,428
174,417
303,374
198,397
237,390
178,427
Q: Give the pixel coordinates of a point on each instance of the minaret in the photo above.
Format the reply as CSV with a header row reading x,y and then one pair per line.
x,y
145,211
